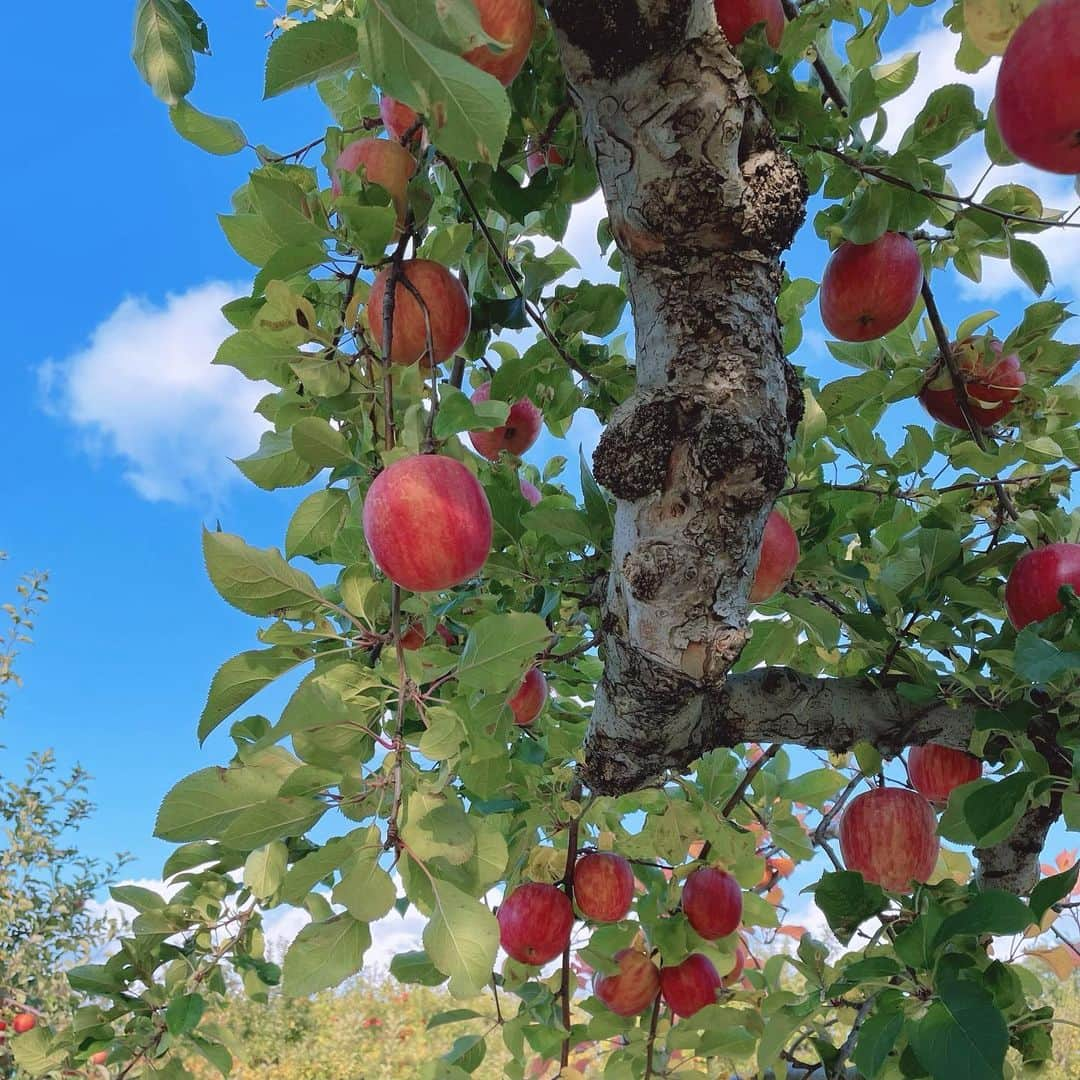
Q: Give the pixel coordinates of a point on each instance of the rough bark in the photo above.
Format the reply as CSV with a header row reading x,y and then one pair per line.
x,y
781,705
702,201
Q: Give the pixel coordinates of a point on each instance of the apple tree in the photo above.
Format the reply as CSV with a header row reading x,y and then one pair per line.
x,y
595,711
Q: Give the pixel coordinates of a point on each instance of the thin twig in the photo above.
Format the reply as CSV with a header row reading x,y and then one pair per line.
x,y
511,274
741,790
832,88
960,390
650,1046
966,201
568,887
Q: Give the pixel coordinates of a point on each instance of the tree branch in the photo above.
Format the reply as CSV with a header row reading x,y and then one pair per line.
x,y
777,705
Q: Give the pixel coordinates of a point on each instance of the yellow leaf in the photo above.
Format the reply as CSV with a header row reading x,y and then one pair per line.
x,y
991,23
1062,960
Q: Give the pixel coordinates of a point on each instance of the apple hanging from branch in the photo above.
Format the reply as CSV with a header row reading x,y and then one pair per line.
x,y
992,382
442,301
1032,591
634,988
935,770
427,523
868,290
528,701
889,835
518,434
690,986
603,886
511,23
535,921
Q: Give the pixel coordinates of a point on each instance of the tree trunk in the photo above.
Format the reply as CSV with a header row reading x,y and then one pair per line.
x,y
702,200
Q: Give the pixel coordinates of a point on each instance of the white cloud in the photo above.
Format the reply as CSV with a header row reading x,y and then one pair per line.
x,y
143,390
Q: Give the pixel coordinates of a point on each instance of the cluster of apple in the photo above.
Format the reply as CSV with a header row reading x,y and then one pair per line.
x,y
890,834
868,290
536,921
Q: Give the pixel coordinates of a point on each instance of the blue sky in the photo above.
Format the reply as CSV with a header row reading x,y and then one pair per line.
x,y
117,444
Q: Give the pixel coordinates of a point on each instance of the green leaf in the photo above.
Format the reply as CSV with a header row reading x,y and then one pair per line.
x,y
308,52
962,1036
240,679
462,940
946,120
847,901
264,869
318,519
320,444
1040,661
184,1013
214,134
500,649
991,912
868,215
416,969
877,1037
1052,889
202,805
275,464
992,808
1030,264
366,889
163,50
257,581
813,788
457,413
467,109
324,955
278,818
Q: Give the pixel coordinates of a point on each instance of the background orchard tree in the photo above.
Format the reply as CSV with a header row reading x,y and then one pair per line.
x,y
404,311
48,919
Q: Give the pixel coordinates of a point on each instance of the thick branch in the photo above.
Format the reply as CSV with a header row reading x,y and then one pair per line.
x,y
778,705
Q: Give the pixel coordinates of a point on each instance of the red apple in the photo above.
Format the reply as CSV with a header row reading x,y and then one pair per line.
x,y
448,636
690,986
735,974
511,23
530,492
397,117
385,162
635,986
992,382
1037,100
447,306
712,902
540,158
603,886
99,1058
779,557
889,835
737,16
414,637
934,770
528,701
869,289
535,921
1031,593
521,430
428,523
23,1023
